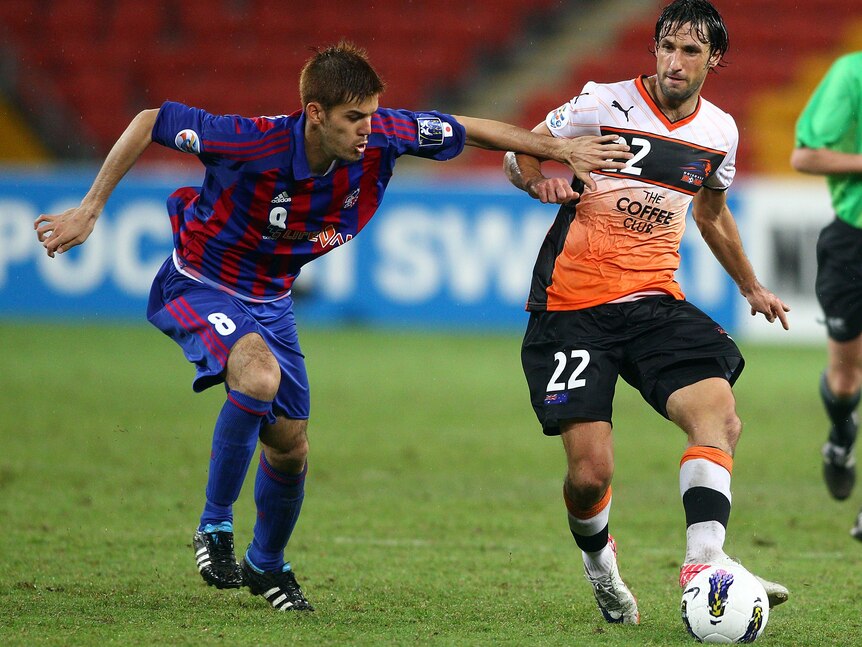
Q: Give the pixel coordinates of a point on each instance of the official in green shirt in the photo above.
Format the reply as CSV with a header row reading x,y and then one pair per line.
x,y
829,142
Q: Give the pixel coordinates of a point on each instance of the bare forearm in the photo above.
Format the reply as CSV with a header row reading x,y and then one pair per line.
x,y
59,233
722,238
496,135
821,161
736,264
122,157
718,228
521,169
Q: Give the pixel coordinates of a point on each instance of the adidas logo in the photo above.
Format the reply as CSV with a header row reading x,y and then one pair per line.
x,y
281,198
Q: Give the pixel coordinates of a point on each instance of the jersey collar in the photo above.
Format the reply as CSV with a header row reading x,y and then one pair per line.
x,y
670,125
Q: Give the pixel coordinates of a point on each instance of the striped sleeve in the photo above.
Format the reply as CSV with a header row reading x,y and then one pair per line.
x,y
433,135
230,137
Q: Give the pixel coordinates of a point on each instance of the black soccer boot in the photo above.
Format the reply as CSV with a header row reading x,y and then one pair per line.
x,y
839,469
215,558
279,588
839,458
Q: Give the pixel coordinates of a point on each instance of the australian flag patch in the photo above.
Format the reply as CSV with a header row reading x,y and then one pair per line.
x,y
557,398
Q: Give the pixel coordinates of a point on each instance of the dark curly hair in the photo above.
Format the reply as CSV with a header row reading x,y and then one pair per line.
x,y
707,23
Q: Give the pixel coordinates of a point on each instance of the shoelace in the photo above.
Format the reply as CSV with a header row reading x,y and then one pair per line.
x,y
287,584
291,587
604,588
220,547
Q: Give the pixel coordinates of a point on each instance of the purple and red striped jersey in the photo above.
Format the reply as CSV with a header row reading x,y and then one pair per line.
x,y
260,214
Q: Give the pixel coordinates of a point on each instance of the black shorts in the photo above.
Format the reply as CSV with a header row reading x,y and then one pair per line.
x,y
657,344
839,279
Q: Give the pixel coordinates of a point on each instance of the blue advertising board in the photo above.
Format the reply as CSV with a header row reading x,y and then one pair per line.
x,y
438,254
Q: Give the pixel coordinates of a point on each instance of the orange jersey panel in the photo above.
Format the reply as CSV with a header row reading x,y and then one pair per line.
x,y
625,236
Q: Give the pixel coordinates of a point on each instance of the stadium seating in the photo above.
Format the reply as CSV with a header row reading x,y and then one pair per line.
x,y
108,60
102,61
18,144
772,43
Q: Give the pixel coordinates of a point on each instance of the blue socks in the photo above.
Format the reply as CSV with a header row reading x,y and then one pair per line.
x,y
234,441
278,496
279,499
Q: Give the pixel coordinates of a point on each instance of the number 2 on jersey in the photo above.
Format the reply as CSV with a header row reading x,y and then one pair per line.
x,y
643,146
574,382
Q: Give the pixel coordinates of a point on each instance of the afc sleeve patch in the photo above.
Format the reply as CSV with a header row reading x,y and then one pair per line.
x,y
558,118
432,130
188,141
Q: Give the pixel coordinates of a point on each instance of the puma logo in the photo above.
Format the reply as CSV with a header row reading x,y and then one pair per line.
x,y
616,104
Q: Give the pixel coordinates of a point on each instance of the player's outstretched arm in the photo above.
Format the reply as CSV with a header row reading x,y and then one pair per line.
x,y
525,173
595,152
822,161
582,154
718,228
61,232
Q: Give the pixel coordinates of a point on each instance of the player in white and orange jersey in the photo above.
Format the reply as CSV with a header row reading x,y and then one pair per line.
x,y
604,301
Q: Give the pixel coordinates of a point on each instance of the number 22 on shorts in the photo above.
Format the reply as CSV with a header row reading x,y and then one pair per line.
x,y
580,359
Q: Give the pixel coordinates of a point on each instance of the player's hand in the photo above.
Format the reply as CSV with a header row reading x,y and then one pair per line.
x,y
61,232
551,190
764,302
593,153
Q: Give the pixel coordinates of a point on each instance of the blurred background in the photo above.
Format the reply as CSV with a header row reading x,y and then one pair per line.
x,y
453,244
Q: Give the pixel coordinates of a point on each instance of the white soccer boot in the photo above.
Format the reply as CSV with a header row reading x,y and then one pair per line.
x,y
615,601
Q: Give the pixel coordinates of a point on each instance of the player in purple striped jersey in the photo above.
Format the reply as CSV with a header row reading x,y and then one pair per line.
x,y
277,193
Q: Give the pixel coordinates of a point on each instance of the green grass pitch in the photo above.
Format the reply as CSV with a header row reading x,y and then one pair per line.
x,y
433,512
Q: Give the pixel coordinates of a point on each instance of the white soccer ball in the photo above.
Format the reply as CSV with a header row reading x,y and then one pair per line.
x,y
724,604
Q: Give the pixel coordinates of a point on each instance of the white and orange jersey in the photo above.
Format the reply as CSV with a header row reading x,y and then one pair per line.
x,y
623,239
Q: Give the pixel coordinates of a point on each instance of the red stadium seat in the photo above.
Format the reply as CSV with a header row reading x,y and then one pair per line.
x,y
136,22
73,17
245,55
21,17
232,56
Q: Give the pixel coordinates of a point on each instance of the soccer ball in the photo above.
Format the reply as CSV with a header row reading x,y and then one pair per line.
x,y
724,604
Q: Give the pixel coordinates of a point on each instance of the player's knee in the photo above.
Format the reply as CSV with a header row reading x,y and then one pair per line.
x,y
732,430
845,384
290,458
253,369
587,487
285,444
261,382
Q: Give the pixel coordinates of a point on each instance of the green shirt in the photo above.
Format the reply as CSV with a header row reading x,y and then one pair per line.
x,y
833,120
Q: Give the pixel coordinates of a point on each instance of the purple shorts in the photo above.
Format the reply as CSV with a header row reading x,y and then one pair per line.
x,y
206,322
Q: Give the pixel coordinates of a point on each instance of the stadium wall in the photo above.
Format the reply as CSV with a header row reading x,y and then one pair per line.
x,y
445,255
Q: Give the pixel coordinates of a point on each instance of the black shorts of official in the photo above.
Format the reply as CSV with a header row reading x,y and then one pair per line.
x,y
658,345
839,279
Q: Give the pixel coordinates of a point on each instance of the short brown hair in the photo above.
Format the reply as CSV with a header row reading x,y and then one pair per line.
x,y
338,74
